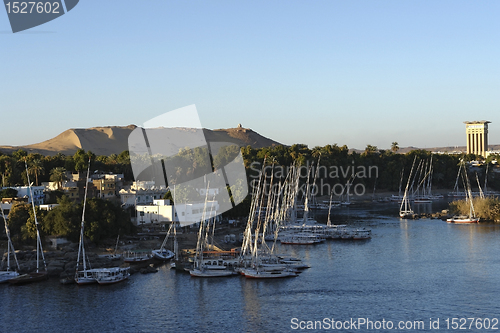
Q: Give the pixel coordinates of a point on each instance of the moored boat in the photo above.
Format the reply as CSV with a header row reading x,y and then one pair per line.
x,y
463,219
211,272
111,275
163,254
252,273
471,218
301,239
362,234
8,274
137,258
36,276
84,275
29,278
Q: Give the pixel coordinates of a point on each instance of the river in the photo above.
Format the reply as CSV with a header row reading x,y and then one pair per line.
x,y
409,272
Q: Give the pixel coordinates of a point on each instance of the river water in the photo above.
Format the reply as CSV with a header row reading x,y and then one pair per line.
x,y
410,271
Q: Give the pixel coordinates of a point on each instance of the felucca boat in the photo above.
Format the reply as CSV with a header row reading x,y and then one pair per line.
x,y
38,275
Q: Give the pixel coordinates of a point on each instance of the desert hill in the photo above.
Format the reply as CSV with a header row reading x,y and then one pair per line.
x,y
114,140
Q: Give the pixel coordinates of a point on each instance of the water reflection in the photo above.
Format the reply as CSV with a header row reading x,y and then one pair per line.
x,y
410,270
423,208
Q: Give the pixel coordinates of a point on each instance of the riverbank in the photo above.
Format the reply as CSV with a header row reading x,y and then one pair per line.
x,y
61,263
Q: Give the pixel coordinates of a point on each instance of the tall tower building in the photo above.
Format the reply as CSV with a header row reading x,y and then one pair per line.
x,y
477,137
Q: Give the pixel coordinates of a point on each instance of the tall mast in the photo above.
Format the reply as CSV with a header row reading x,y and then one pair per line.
x,y
38,239
81,248
10,246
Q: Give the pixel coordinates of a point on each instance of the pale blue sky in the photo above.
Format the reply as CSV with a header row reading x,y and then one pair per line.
x,y
313,72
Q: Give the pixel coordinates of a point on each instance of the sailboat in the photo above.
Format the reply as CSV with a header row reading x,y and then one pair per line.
x,y
8,274
200,268
99,275
405,210
38,275
115,255
471,218
347,187
84,276
162,253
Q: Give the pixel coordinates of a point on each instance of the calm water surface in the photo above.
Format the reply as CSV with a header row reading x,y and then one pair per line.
x,y
408,271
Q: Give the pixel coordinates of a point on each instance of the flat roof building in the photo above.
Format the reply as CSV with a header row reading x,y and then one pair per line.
x,y
477,137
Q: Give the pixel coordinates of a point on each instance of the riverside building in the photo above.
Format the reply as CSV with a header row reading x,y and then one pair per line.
x,y
477,137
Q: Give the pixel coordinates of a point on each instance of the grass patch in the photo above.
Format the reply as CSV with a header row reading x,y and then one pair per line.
x,y
487,209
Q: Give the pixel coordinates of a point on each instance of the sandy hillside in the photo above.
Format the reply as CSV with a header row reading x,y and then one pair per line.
x,y
114,140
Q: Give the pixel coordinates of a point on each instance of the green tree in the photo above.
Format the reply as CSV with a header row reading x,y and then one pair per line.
x,y
29,229
8,193
58,175
64,220
18,216
103,219
370,150
36,168
19,154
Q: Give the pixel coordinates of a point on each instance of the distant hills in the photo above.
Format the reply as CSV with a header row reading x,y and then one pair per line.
x,y
114,140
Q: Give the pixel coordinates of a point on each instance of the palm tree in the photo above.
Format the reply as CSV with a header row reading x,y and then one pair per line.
x,y
58,175
394,147
370,150
5,167
36,169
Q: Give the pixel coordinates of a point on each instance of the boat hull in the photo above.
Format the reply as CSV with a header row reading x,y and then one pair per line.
x,y
137,260
210,273
253,274
5,276
29,278
112,275
163,255
463,221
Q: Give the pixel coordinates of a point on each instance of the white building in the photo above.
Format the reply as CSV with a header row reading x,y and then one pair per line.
x,y
141,193
161,211
24,192
48,207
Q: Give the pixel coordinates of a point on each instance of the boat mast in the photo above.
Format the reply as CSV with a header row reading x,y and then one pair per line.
x,y
329,222
38,239
9,244
405,200
81,248
306,201
486,178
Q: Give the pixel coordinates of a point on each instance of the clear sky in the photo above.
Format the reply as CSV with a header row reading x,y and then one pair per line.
x,y
313,72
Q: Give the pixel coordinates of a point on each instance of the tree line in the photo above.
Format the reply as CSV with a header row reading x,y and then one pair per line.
x,y
103,219
391,167
53,168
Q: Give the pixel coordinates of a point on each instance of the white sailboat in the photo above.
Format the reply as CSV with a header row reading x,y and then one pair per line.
x,y
111,275
38,275
8,273
162,253
471,218
405,210
99,275
200,268
84,276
